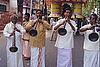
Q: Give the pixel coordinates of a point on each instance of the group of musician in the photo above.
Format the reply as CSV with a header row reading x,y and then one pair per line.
x,y
30,38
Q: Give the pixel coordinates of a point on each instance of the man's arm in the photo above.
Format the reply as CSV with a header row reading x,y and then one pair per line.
x,y
87,28
29,25
5,31
73,28
84,29
59,24
47,25
20,29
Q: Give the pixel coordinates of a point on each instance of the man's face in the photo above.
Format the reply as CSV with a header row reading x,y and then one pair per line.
x,y
67,13
26,17
93,19
39,14
14,20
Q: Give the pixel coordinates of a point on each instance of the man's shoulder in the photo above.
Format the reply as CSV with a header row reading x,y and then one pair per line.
x,y
60,20
85,26
44,21
18,24
8,23
72,20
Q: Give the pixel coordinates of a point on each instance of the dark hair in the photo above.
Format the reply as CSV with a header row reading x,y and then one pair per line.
x,y
39,10
27,14
14,16
66,7
95,15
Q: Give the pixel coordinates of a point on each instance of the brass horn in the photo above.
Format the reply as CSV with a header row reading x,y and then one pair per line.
x,y
33,32
62,31
13,48
93,36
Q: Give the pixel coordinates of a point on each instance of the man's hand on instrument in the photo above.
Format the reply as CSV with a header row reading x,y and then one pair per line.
x,y
67,20
12,33
17,30
91,27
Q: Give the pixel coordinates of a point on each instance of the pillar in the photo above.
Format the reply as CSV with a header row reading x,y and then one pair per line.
x,y
13,5
20,10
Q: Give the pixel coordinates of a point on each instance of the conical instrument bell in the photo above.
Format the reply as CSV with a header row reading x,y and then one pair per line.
x,y
33,32
62,31
13,49
93,37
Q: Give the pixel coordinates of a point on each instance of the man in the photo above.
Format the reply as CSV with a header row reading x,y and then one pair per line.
x,y
64,43
13,33
38,42
26,46
91,48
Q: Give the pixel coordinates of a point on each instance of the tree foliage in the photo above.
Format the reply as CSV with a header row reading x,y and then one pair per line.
x,y
89,7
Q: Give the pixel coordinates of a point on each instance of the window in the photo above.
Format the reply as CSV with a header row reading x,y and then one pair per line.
x,y
2,7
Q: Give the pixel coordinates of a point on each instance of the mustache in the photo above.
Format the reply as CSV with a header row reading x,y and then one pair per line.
x,y
14,22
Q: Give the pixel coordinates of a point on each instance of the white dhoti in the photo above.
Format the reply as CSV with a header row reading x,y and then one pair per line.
x,y
14,59
64,58
91,58
34,57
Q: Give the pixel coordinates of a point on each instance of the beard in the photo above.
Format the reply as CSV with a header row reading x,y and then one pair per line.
x,y
14,22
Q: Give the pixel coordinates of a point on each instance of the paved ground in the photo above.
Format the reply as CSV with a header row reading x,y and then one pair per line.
x,y
2,52
50,52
